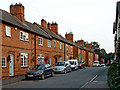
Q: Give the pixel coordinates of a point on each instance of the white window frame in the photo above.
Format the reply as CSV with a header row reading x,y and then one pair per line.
x,y
40,41
24,37
71,49
54,44
60,45
49,43
8,31
60,58
4,61
66,47
67,57
41,58
25,61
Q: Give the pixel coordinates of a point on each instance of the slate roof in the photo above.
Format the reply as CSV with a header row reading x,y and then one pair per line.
x,y
14,21
55,36
117,13
38,30
114,28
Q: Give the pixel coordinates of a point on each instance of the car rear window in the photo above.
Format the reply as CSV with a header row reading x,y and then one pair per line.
x,y
72,62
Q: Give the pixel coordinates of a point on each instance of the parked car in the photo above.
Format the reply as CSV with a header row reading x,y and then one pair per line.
x,y
81,64
62,67
96,64
42,71
102,65
74,64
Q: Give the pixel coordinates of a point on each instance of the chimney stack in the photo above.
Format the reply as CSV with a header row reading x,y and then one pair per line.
x,y
49,26
43,23
54,27
18,11
89,45
80,42
69,36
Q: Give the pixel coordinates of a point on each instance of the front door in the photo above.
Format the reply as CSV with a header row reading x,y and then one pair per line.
x,y
11,65
55,60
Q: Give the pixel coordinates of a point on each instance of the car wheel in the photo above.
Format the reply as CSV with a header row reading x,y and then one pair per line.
x,y
43,77
64,71
70,69
53,74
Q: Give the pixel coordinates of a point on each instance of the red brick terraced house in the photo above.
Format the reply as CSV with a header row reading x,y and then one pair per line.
x,y
25,44
84,53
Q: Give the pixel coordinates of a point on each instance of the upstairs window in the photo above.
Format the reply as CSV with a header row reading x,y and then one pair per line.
x,y
8,31
3,61
24,36
40,41
24,59
60,45
49,43
54,44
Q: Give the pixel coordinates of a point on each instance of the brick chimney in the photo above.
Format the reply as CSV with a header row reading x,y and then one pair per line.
x,y
49,26
54,27
43,23
69,36
18,11
89,45
80,42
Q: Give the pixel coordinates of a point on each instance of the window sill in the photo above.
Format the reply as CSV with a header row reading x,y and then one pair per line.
x,y
24,66
4,67
24,40
40,44
8,36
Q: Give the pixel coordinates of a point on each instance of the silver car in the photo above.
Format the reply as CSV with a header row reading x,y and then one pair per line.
x,y
62,67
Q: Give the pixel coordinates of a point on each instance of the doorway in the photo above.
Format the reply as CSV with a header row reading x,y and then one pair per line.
x,y
11,65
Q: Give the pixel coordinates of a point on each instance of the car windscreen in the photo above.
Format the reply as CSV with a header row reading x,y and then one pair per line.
x,y
60,64
72,62
38,67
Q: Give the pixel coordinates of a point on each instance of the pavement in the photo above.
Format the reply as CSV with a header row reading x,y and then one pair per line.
x,y
98,81
12,80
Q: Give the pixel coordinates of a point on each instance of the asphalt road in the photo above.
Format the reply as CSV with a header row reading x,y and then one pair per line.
x,y
74,79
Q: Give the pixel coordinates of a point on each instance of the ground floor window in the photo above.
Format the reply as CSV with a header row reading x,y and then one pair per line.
x,y
60,58
66,57
40,59
50,61
24,59
3,61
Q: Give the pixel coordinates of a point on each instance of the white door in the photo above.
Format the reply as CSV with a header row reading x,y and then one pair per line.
x,y
11,65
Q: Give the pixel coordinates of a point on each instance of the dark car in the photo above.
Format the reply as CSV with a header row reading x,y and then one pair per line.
x,y
81,64
40,71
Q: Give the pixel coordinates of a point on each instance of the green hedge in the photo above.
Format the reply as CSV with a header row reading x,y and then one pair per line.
x,y
114,76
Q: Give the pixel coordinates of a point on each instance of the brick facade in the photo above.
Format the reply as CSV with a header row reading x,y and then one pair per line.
x,y
26,52
13,45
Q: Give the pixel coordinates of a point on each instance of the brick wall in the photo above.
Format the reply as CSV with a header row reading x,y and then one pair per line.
x,y
13,45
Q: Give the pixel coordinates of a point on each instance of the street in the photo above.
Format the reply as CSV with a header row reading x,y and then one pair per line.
x,y
74,79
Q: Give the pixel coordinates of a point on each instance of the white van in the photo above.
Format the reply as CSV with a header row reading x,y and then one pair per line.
x,y
74,64
96,64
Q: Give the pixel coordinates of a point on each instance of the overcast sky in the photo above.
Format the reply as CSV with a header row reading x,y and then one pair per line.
x,y
90,20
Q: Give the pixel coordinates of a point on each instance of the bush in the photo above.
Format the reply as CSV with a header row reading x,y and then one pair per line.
x,y
114,76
